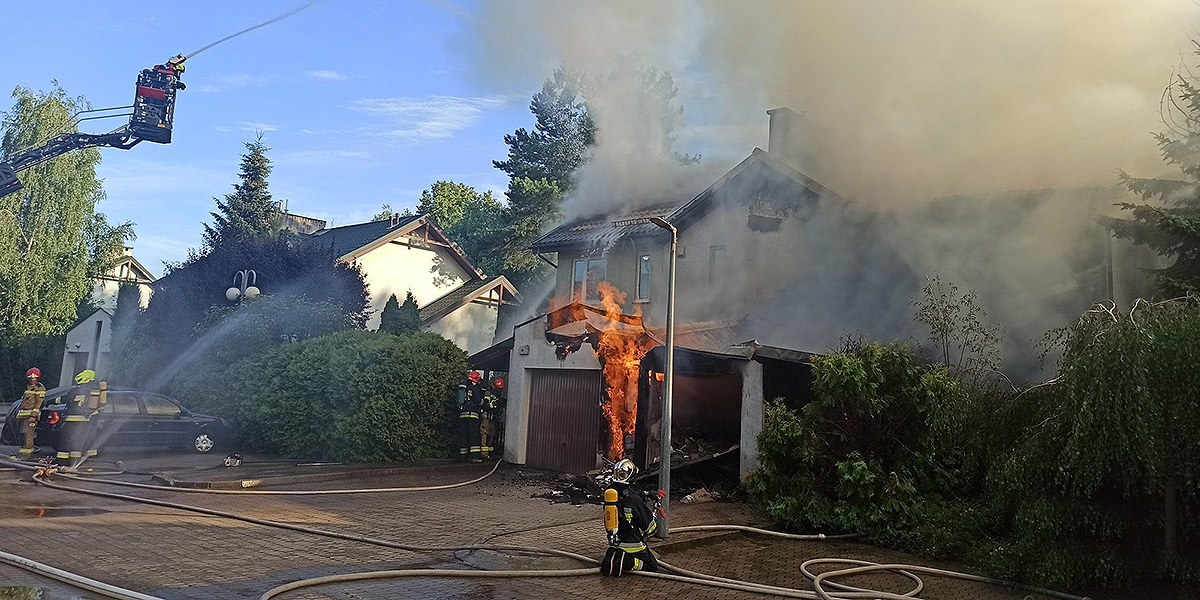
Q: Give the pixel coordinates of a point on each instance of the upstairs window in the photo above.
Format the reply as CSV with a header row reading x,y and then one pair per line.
x,y
587,277
643,278
716,264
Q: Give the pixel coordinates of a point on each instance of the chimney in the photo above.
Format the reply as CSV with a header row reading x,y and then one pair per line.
x,y
795,140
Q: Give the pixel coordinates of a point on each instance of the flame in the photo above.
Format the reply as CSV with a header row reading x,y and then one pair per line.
x,y
620,355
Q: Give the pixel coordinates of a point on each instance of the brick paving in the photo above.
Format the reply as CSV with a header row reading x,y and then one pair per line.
x,y
184,556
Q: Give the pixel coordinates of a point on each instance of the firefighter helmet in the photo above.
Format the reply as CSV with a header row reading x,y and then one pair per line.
x,y
33,372
498,383
474,376
85,376
624,470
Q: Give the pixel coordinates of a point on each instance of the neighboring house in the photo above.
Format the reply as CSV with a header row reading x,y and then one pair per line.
x,y
87,347
412,254
127,271
796,266
88,342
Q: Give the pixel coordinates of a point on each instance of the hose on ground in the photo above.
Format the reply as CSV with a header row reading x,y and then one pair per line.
x,y
820,582
426,488
79,581
303,583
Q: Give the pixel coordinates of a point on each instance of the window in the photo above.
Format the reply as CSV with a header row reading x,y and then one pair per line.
x,y
587,277
716,263
121,404
643,278
160,407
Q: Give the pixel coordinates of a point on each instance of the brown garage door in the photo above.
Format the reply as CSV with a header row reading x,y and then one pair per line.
x,y
564,419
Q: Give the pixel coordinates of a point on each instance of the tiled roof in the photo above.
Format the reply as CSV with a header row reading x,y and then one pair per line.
x,y
600,231
458,296
348,238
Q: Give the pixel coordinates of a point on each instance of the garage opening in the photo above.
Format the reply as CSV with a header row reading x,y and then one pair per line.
x,y
565,422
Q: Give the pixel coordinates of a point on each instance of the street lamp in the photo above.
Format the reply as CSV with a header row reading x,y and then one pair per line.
x,y
664,459
246,288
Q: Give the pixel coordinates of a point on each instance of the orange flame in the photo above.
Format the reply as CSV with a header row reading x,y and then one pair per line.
x,y
620,355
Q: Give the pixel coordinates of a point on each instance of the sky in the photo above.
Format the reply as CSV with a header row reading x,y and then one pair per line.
x,y
367,102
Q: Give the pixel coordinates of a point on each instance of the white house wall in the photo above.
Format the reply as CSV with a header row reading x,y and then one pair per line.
x,y
81,340
397,268
472,327
532,351
104,293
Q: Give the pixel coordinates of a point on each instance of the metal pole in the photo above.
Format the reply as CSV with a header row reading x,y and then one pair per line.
x,y
664,460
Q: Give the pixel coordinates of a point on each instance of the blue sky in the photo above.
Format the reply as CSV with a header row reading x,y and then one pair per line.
x,y
362,103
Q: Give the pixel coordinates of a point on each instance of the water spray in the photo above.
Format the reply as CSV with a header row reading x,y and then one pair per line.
x,y
285,15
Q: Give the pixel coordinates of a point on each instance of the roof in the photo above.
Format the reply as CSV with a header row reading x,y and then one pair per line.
x,y
352,241
348,238
463,295
492,358
600,230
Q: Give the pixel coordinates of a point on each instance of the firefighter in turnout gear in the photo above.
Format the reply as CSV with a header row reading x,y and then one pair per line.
x,y
97,398
629,521
470,397
489,412
79,415
31,409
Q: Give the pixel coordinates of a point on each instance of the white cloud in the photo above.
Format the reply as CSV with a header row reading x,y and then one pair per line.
x,y
430,118
321,157
326,74
219,82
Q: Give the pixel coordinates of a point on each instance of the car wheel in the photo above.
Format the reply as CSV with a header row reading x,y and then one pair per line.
x,y
204,441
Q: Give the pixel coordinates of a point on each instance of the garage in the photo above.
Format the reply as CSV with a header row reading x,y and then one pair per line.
x,y
564,419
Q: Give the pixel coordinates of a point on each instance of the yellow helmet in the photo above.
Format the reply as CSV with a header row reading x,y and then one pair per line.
x,y
85,376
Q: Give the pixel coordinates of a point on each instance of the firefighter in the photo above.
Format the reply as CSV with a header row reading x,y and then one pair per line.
x,y
31,409
489,418
97,398
75,428
629,521
470,396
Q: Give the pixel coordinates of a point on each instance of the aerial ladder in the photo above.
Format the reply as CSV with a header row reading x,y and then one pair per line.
x,y
150,120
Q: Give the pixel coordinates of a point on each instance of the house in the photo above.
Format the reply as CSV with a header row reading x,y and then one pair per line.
x,y
88,341
794,266
88,344
411,254
126,271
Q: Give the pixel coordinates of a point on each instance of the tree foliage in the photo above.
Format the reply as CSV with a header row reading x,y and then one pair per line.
x,y
863,455
963,340
51,237
249,211
1091,464
353,395
176,327
559,141
1168,219
400,319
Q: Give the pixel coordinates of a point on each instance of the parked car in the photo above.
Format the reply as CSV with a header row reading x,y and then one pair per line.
x,y
130,418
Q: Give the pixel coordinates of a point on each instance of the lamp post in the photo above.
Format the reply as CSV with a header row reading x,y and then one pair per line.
x,y
244,289
664,459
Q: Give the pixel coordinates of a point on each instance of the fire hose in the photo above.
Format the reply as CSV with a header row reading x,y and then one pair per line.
x,y
820,582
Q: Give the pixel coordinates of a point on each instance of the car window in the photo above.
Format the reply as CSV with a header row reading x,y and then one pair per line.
x,y
122,405
158,406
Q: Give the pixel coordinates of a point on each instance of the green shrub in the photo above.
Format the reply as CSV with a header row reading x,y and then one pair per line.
x,y
863,456
353,395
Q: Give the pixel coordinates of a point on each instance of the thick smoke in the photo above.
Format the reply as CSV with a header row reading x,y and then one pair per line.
x,y
924,105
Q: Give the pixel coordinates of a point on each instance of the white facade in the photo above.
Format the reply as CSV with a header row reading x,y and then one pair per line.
x,y
87,347
472,327
429,271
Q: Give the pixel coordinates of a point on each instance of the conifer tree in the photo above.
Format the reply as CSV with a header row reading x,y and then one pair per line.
x,y
249,211
1168,218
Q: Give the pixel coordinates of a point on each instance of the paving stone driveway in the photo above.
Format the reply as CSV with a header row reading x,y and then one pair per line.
x,y
182,556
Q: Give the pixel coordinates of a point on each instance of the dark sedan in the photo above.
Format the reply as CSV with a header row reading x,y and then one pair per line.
x,y
130,418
